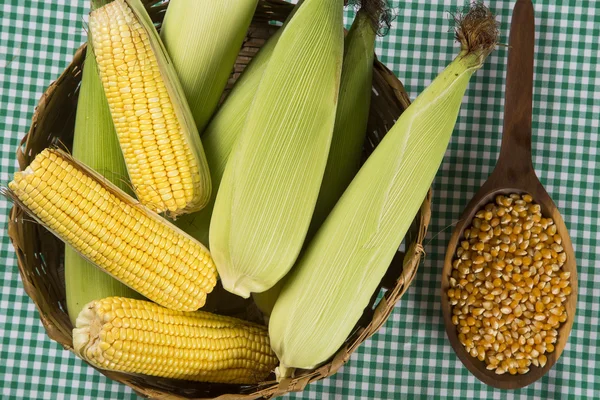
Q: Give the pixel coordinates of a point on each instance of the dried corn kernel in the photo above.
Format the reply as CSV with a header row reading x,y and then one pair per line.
x,y
514,315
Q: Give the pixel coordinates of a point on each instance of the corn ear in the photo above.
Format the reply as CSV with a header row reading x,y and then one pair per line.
x,y
156,130
349,131
351,117
222,132
140,337
113,231
342,266
272,179
203,39
95,144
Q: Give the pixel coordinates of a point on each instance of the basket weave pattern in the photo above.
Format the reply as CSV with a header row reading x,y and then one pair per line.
x,y
40,254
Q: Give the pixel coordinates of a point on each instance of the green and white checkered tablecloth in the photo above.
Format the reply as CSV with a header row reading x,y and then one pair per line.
x,y
410,357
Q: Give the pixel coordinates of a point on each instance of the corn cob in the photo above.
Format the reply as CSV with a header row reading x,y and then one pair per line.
x,y
222,132
212,33
351,117
95,144
140,337
159,140
350,124
342,266
105,225
272,179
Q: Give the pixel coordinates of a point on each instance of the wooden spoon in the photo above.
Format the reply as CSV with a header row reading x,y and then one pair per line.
x,y
514,173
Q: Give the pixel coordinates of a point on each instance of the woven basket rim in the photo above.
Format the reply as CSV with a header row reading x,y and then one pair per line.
x,y
400,274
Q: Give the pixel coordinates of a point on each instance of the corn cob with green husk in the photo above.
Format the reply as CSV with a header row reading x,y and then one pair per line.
x,y
221,134
223,130
203,39
140,337
353,108
272,179
351,120
95,144
156,130
332,282
115,232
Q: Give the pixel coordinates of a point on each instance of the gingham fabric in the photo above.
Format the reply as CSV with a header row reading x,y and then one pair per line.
x,y
410,358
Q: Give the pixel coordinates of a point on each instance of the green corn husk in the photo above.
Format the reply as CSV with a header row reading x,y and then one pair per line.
x,y
266,300
224,129
95,144
203,39
351,118
272,179
221,134
349,131
330,286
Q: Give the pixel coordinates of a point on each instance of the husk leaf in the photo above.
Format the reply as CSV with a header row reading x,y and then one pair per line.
x,y
342,266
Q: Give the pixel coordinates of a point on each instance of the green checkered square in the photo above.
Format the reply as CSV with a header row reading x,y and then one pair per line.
x,y
410,357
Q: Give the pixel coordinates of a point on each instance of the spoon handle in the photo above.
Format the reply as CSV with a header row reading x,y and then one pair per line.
x,y
515,152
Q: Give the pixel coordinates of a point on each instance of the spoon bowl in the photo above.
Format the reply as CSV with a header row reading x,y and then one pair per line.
x,y
487,194
514,173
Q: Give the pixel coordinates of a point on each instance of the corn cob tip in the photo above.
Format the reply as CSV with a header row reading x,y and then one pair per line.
x,y
237,286
283,372
85,329
378,12
477,30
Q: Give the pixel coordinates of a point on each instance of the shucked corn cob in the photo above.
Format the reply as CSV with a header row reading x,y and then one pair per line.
x,y
272,179
140,337
160,142
336,276
203,39
96,145
104,225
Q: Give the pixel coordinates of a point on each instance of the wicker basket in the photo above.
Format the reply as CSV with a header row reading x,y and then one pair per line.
x,y
40,254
